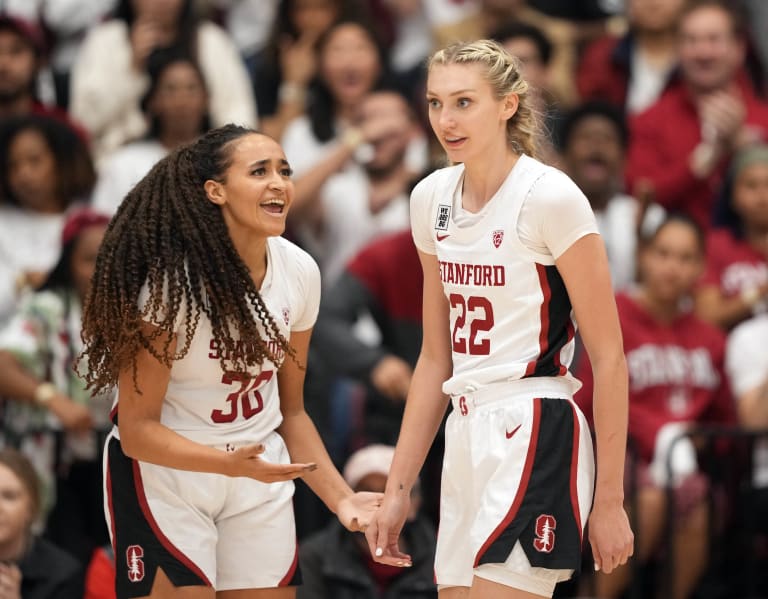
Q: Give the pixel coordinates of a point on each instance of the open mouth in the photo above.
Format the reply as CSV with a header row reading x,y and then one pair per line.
x,y
274,206
453,141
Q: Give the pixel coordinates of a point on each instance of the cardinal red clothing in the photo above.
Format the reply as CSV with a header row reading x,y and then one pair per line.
x,y
675,373
732,264
661,141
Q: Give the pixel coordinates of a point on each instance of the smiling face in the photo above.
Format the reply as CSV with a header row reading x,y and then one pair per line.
x,y
256,189
467,118
594,155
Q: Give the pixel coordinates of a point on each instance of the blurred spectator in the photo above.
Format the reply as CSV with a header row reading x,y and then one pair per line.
x,y
758,23
369,197
594,142
176,107
249,23
100,576
44,169
633,70
534,51
22,48
676,378
681,145
735,285
285,68
30,567
109,77
746,362
336,563
335,134
38,348
384,282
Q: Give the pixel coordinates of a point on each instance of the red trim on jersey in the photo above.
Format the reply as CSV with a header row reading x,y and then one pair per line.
x,y
575,472
170,547
109,506
546,291
113,414
522,487
286,580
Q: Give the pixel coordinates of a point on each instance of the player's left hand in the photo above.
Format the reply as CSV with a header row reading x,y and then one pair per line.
x,y
355,511
610,536
10,581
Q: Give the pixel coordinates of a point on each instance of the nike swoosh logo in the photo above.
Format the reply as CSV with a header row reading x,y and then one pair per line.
x,y
513,431
441,237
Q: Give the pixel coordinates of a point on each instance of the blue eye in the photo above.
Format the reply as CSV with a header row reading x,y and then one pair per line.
x,y
433,103
463,102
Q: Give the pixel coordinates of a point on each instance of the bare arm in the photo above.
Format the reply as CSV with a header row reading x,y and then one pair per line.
x,y
584,268
753,407
424,411
143,437
722,311
304,444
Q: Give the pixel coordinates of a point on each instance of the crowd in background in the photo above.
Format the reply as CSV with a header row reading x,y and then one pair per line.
x,y
657,109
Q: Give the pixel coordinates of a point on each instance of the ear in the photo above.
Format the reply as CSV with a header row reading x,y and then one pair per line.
x,y
511,103
215,192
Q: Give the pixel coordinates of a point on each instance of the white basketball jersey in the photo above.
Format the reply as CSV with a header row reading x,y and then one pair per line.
x,y
212,407
510,315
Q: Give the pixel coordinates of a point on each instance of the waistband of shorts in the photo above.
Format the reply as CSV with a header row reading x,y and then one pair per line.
x,y
519,389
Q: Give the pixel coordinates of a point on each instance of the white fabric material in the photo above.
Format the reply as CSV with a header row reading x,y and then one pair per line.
x,y
224,531
746,362
209,406
249,22
491,249
646,84
106,89
348,223
122,170
482,471
29,242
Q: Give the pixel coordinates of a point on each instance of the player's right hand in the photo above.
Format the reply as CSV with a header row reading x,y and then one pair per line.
x,y
384,529
247,461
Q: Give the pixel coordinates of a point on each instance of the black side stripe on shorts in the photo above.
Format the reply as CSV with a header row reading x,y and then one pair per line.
x,y
544,515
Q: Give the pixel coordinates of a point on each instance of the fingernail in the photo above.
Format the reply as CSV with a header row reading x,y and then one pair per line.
x,y
597,568
401,564
379,552
310,467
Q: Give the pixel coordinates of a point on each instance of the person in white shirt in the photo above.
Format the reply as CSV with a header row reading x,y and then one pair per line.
x,y
510,254
201,315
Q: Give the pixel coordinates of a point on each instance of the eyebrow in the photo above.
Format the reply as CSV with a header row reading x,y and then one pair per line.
x,y
282,161
456,93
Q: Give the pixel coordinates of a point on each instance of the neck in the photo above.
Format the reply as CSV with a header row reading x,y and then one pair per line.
x,y
13,550
659,47
599,200
172,139
664,311
483,178
253,251
15,106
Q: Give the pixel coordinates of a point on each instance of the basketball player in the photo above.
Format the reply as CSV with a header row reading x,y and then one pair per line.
x,y
509,248
202,315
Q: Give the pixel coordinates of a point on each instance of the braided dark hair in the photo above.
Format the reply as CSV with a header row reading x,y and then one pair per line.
x,y
167,233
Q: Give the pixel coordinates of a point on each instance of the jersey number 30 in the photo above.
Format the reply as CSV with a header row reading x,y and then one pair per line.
x,y
247,396
479,312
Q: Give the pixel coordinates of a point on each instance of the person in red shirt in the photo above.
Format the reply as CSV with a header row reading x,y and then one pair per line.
x,y
676,378
735,285
680,146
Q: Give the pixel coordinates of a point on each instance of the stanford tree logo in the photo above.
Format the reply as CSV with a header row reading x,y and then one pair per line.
x,y
133,556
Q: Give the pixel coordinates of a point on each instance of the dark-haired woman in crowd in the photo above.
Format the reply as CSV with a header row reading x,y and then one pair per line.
x,y
735,286
351,64
52,412
201,314
30,568
176,107
45,168
285,67
109,76
676,379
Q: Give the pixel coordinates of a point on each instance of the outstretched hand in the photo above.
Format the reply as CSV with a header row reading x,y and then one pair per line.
x,y
383,532
355,511
610,536
246,461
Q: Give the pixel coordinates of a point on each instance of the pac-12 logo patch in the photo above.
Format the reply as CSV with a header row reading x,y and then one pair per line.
x,y
133,556
498,237
286,316
545,533
443,217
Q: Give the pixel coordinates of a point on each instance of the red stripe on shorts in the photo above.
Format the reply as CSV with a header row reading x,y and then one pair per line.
x,y
170,547
522,488
286,580
575,472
